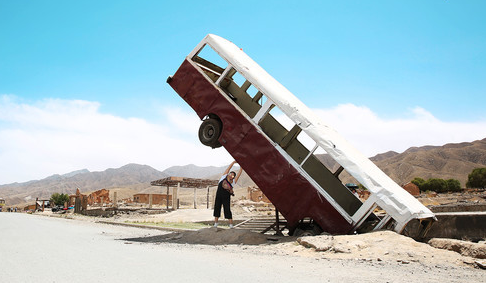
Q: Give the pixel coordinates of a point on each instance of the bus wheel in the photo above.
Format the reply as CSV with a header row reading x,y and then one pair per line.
x,y
307,230
209,132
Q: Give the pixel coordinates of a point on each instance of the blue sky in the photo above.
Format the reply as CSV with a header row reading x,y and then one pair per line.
x,y
73,73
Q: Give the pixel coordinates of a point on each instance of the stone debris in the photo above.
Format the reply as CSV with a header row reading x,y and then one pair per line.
x,y
476,250
480,264
379,245
403,261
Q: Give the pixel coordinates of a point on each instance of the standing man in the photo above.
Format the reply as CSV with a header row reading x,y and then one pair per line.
x,y
224,193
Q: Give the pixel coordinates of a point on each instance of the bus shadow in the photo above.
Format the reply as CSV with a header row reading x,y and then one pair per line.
x,y
215,236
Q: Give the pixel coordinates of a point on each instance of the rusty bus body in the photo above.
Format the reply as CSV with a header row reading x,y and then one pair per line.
x,y
288,172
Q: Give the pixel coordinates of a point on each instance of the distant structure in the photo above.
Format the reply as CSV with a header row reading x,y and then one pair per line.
x,y
98,197
185,182
40,204
30,207
256,195
177,182
160,199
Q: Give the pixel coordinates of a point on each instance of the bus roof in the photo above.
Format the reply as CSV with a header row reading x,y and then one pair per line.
x,y
399,203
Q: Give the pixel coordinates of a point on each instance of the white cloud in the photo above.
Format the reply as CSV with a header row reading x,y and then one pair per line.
x,y
372,135
184,121
58,136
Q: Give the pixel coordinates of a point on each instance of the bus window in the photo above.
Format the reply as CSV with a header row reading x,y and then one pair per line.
x,y
252,91
306,141
283,119
330,183
210,62
326,159
294,147
239,89
260,98
276,125
239,80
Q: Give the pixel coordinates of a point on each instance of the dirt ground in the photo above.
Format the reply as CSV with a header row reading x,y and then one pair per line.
x,y
377,247
108,254
381,247
467,197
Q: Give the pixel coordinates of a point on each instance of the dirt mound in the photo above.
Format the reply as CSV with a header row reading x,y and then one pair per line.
x,y
380,245
211,236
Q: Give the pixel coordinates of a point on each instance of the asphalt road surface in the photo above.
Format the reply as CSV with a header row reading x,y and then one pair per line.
x,y
45,249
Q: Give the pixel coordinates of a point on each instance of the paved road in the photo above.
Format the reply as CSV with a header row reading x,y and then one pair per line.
x,y
43,249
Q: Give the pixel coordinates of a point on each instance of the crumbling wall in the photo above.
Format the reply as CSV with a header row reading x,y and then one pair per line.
x,y
256,195
160,199
99,197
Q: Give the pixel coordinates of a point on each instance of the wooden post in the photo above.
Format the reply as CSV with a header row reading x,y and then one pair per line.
x,y
207,199
175,198
167,200
277,220
150,200
77,204
195,206
84,203
115,200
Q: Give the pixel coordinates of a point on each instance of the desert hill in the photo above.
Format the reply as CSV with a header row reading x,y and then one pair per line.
x,y
193,171
454,160
451,161
126,181
448,161
133,176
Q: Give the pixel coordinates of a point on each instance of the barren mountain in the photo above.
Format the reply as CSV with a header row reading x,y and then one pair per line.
x,y
449,161
133,176
454,160
193,171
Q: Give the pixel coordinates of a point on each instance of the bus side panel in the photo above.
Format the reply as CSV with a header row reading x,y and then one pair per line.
x,y
194,88
288,190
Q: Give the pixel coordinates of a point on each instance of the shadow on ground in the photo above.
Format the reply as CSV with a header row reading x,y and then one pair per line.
x,y
215,236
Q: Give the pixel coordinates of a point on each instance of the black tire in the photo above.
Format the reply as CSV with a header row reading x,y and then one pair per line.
x,y
298,232
307,230
209,132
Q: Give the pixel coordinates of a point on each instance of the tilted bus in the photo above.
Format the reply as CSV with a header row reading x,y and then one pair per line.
x,y
239,103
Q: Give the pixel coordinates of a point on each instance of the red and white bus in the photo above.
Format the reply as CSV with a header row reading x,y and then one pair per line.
x,y
278,141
